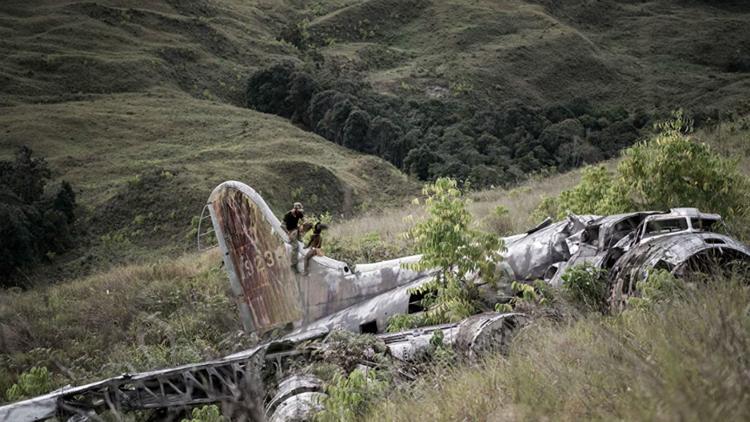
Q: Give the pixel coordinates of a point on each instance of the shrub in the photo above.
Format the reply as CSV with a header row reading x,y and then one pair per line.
x,y
586,286
458,253
670,170
349,397
659,286
594,195
34,382
673,170
207,413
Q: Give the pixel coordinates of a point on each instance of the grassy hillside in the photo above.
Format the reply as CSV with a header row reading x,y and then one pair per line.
x,y
655,54
136,105
62,50
144,164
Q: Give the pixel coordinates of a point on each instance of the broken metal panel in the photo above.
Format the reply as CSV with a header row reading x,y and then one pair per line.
x,y
299,408
326,290
488,332
35,409
473,337
298,398
408,345
530,256
255,256
671,252
375,310
186,385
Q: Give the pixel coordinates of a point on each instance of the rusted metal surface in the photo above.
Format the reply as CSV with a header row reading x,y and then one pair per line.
x,y
255,256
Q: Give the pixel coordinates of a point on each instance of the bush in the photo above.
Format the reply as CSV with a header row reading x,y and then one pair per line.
x,y
207,413
673,170
586,287
458,252
349,397
34,382
668,171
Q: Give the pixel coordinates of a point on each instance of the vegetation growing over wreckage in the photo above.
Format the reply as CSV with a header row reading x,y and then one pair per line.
x,y
157,337
669,170
166,115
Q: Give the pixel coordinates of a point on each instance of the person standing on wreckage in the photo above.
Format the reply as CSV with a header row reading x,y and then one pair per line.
x,y
293,225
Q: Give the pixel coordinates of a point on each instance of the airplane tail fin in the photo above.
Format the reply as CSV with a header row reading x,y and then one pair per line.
x,y
254,249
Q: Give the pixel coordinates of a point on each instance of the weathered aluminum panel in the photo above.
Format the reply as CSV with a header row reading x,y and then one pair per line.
x,y
255,255
530,256
298,398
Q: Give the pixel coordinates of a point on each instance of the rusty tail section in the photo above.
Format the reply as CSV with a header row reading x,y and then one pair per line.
x,y
254,249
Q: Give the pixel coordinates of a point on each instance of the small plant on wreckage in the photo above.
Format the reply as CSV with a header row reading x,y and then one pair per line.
x,y
459,254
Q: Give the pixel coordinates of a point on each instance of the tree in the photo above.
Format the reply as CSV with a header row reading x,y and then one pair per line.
x,y
65,202
419,160
670,170
26,176
31,224
301,90
355,132
457,252
385,138
18,246
332,125
268,90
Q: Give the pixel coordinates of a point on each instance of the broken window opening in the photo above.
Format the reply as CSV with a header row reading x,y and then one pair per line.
x,y
415,303
670,225
370,327
702,224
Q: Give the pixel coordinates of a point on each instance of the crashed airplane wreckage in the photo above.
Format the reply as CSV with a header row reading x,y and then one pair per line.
x,y
337,296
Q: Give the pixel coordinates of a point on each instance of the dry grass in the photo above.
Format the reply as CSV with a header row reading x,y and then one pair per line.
x,y
520,202
683,360
133,317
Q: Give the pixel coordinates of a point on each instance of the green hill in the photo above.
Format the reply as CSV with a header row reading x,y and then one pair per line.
x,y
137,108
141,104
633,54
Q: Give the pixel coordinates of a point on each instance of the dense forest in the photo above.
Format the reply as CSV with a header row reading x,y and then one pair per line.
x,y
429,138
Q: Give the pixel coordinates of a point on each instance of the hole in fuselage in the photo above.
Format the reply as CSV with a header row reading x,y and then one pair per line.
x,y
370,327
415,303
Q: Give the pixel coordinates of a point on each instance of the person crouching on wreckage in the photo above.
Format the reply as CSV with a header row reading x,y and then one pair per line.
x,y
314,245
292,222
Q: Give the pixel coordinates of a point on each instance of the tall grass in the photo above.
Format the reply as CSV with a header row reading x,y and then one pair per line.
x,y
133,317
682,360
383,228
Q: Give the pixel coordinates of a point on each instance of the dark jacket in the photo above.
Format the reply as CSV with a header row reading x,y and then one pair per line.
x,y
291,220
